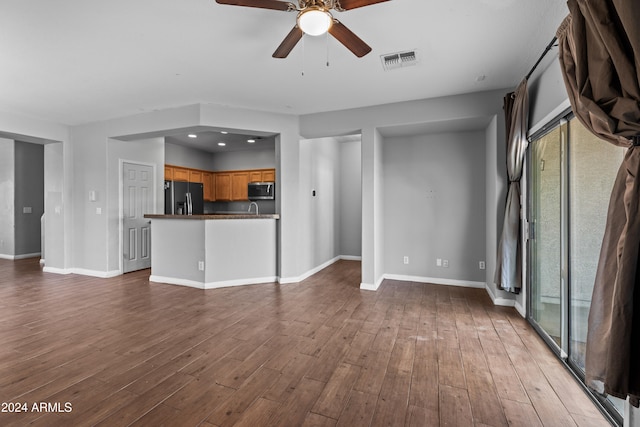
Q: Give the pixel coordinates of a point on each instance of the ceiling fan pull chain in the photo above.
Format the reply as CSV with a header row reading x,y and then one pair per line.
x,y
327,44
303,55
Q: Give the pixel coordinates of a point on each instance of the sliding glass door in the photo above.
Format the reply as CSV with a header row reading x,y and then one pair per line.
x,y
592,171
546,228
571,174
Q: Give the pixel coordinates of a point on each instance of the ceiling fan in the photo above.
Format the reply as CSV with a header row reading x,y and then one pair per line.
x,y
314,18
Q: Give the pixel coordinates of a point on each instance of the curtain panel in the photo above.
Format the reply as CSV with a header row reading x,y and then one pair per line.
x,y
508,275
600,60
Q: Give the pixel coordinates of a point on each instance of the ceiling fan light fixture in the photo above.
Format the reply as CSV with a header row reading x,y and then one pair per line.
x,y
314,21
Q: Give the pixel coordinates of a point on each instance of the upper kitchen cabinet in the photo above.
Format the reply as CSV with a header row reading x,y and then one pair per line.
x,y
195,176
180,174
168,173
262,175
209,186
222,186
239,182
255,176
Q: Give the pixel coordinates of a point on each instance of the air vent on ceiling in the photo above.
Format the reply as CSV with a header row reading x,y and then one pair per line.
x,y
392,61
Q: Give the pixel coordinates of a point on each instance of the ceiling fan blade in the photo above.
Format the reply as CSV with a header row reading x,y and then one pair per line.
x,y
349,39
263,4
288,43
352,4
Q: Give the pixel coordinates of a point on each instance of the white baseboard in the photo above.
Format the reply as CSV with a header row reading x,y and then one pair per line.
x,y
504,302
372,286
212,285
57,270
242,282
285,280
436,281
82,272
174,281
25,256
96,273
521,310
21,256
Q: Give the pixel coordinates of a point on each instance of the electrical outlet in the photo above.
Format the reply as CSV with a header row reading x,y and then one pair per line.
x,y
482,265
439,262
406,260
445,263
201,265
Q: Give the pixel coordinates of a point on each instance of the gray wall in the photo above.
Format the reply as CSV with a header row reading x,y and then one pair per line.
x,y
179,155
234,160
7,197
54,240
547,92
29,194
434,205
244,159
350,198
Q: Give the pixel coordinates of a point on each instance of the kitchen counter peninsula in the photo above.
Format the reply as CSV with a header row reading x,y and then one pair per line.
x,y
213,250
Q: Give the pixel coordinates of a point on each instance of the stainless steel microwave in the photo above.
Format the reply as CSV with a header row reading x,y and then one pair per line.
x,y
261,190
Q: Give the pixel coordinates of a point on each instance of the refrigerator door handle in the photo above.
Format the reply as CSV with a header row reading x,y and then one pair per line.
x,y
189,204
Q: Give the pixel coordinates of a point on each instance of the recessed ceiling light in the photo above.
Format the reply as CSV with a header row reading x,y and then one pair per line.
x,y
192,135
251,141
222,144
224,132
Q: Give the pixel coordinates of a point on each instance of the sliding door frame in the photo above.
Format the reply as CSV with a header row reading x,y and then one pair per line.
x,y
563,350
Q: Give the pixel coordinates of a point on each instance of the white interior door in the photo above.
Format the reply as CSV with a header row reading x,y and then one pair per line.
x,y
137,201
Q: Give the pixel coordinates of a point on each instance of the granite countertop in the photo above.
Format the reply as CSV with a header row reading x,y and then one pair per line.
x,y
214,216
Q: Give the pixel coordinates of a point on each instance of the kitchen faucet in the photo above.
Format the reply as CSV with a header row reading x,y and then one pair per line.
x,y
252,204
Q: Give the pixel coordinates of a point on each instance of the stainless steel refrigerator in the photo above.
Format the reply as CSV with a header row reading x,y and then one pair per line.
x,y
183,198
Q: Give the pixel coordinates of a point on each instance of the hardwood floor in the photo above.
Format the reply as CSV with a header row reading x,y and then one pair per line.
x,y
322,352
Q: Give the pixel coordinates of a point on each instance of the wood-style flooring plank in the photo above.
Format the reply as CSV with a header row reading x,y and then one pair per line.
x,y
334,395
455,409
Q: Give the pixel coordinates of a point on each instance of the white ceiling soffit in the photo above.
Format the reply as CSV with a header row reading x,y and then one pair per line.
x,y
79,61
457,125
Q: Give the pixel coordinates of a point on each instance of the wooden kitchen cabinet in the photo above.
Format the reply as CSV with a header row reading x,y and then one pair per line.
x,y
269,175
209,186
180,174
239,181
168,173
222,185
255,176
195,176
262,175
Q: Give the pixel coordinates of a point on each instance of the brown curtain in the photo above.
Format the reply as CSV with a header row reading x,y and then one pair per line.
x,y
600,60
508,274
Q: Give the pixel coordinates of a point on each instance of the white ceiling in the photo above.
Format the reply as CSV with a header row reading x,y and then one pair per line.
x,y
78,61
